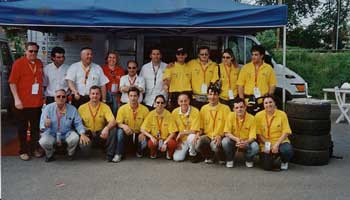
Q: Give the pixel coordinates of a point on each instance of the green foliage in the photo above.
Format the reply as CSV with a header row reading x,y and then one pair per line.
x,y
267,39
320,70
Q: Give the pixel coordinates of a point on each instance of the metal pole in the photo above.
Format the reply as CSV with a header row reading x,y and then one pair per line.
x,y
337,36
284,66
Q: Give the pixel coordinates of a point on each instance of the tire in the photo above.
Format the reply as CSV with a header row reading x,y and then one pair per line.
x,y
310,127
309,142
308,109
310,157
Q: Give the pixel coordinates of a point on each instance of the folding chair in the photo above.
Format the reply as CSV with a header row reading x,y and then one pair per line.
x,y
343,106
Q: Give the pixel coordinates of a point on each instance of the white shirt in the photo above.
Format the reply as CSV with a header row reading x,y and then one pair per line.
x,y
125,81
154,81
54,78
76,73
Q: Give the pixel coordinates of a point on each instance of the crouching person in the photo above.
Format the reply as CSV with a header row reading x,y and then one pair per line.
x,y
240,134
130,118
273,131
159,129
99,122
56,123
213,116
188,122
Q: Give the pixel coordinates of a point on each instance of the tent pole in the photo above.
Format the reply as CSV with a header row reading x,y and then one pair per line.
x,y
284,65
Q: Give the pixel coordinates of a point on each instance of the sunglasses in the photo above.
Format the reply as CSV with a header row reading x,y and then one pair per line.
x,y
204,54
226,57
180,54
160,102
60,96
33,51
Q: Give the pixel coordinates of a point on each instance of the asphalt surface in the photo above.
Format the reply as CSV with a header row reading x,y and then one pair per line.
x,y
135,178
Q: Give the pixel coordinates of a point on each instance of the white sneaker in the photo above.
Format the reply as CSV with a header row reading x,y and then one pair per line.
x,y
167,156
117,158
229,164
208,161
139,155
249,164
284,166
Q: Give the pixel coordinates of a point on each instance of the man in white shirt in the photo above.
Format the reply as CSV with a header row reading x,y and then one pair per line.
x,y
84,74
54,74
152,72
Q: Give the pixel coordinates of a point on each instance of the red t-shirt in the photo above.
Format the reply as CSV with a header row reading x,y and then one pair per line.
x,y
113,76
24,74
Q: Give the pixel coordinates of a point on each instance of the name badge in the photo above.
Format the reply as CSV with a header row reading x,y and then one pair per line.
x,y
35,88
160,144
267,146
204,88
114,87
257,93
230,94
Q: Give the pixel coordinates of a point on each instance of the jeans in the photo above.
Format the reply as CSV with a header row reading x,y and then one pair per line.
x,y
230,148
47,142
285,151
111,100
123,139
180,154
208,148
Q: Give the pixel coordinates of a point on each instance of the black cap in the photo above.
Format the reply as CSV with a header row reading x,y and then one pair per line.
x,y
180,50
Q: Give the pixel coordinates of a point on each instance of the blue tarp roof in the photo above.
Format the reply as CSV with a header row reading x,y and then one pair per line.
x,y
141,14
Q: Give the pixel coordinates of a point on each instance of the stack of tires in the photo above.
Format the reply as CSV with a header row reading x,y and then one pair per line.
x,y
310,122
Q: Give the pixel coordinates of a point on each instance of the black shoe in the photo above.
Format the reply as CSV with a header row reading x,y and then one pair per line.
x,y
49,159
195,159
109,158
71,157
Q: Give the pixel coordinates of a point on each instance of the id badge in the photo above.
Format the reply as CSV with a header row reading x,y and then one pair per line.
x,y
230,94
267,146
35,88
257,93
204,88
114,87
160,144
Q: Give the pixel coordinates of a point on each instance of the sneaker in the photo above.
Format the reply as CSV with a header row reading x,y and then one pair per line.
x,y
167,156
284,166
153,156
49,159
24,157
222,162
117,158
38,153
249,164
71,157
209,161
139,155
229,164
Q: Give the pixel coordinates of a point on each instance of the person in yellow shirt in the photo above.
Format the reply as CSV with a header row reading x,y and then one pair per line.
x,y
188,122
240,134
177,79
213,116
160,129
129,119
203,72
229,70
256,80
272,132
99,123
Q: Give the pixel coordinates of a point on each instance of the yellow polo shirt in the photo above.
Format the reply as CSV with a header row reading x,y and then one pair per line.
x,y
179,76
243,129
229,76
198,75
126,116
102,113
266,78
187,121
166,123
279,126
213,119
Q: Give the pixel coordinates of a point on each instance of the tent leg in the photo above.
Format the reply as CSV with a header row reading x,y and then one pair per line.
x,y
284,65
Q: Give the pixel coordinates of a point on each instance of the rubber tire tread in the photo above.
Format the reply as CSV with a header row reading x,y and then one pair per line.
x,y
310,157
310,127
308,111
309,142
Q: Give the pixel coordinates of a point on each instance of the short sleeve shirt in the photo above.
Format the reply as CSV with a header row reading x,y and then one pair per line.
x,y
95,119
200,76
228,77
133,119
54,78
113,76
179,76
213,119
187,121
244,129
126,81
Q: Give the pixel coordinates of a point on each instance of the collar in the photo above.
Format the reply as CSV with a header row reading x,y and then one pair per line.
x,y
187,113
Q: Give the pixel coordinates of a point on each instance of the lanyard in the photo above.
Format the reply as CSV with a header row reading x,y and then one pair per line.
x,y
256,75
268,124
87,72
132,82
213,117
59,116
186,124
134,115
228,73
159,124
155,74
239,128
113,74
204,70
33,71
93,115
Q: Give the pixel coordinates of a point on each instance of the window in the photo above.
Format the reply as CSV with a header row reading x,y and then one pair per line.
x,y
5,54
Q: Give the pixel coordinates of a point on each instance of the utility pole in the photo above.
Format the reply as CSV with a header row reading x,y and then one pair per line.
x,y
337,35
278,32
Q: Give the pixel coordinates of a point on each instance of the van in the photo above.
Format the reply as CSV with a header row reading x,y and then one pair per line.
x,y
6,61
136,45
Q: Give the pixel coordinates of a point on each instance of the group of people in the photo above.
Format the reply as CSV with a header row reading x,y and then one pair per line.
x,y
196,109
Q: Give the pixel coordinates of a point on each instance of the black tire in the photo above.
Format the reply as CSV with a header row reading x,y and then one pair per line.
x,y
309,142
310,127
310,157
308,109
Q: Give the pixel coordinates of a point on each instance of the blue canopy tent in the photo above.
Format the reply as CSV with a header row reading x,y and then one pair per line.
x,y
179,16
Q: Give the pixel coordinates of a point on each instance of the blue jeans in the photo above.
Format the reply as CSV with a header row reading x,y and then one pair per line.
x,y
285,152
230,148
122,138
111,100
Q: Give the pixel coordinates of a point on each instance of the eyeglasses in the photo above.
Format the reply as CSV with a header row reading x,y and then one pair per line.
x,y
60,96
33,51
160,102
132,68
226,57
204,54
180,54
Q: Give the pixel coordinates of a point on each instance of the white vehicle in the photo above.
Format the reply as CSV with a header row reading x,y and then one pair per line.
x,y
137,44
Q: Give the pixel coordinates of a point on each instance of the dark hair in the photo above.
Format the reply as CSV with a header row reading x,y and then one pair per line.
x,y
155,48
61,90
160,96
55,50
85,48
31,44
184,94
203,47
214,87
229,51
132,61
94,87
270,96
112,52
238,100
134,89
258,48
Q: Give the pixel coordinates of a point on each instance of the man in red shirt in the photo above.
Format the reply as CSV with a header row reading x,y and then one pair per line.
x,y
26,84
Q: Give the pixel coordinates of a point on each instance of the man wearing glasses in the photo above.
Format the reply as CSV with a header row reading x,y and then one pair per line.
x,y
131,80
84,74
54,74
56,123
204,71
26,84
177,79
